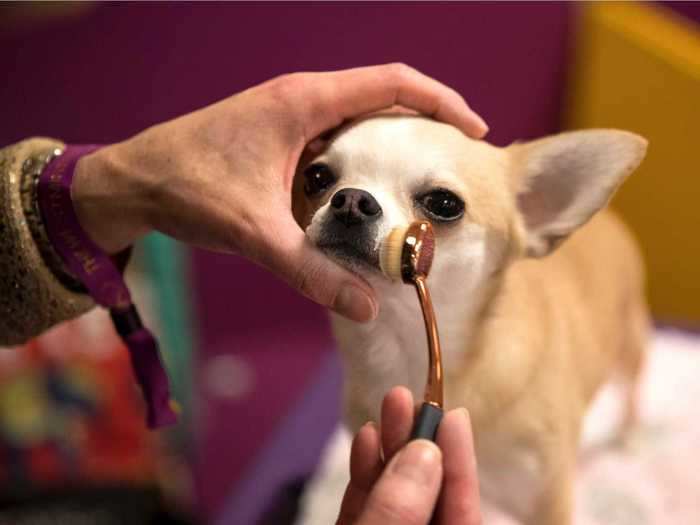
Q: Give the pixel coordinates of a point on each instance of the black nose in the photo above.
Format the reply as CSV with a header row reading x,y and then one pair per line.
x,y
351,207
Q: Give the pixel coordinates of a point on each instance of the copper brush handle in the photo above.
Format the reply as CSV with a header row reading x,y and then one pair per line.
x,y
431,411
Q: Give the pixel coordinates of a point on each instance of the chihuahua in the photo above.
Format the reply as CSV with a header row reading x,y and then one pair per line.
x,y
531,326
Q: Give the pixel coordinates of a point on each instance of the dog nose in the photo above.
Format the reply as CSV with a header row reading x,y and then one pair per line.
x,y
351,206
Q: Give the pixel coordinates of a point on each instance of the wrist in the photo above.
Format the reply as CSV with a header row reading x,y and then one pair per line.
x,y
107,198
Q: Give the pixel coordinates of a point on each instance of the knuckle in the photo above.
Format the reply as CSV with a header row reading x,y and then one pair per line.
x,y
289,94
301,279
456,97
241,236
306,279
291,88
400,72
284,86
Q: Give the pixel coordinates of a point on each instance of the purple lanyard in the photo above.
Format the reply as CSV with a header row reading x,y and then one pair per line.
x,y
96,270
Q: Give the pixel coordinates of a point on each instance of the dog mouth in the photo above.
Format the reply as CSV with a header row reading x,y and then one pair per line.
x,y
354,255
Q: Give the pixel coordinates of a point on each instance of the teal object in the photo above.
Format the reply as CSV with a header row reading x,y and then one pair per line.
x,y
166,262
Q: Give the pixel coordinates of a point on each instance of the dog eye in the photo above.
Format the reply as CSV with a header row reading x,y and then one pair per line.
x,y
442,205
318,178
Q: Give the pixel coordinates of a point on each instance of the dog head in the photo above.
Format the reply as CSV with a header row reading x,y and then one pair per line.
x,y
488,205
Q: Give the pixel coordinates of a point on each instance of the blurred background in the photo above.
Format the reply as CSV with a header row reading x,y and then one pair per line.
x,y
253,363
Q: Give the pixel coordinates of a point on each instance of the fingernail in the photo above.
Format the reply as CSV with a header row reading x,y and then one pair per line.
x,y
371,424
418,462
355,303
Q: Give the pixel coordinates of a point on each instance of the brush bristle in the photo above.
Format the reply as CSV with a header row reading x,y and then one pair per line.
x,y
390,253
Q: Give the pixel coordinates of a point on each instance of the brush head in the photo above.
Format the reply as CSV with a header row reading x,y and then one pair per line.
x,y
407,253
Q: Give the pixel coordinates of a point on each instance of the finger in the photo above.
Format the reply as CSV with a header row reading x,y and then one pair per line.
x,y
365,462
408,488
397,420
354,92
459,500
319,144
291,255
365,468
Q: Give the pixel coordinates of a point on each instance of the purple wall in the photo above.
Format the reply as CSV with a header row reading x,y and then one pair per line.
x,y
690,10
119,68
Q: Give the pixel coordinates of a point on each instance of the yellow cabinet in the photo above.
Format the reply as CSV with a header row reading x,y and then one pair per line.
x,y
637,67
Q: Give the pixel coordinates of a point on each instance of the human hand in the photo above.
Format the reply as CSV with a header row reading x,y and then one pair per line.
x,y
221,177
416,480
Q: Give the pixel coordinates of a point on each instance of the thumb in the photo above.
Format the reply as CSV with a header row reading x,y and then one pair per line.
x,y
408,488
303,266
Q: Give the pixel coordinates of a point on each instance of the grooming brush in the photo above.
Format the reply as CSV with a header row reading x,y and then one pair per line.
x,y
407,254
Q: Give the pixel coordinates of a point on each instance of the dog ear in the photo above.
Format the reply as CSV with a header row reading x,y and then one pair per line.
x,y
563,180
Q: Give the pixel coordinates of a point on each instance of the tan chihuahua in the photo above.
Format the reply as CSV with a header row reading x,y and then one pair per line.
x,y
531,326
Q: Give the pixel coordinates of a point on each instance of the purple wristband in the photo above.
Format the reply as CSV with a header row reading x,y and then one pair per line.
x,y
98,273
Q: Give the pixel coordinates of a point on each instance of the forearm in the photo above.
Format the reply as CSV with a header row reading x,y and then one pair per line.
x,y
35,290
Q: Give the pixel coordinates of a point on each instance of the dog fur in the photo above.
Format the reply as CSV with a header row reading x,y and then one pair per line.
x,y
531,326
